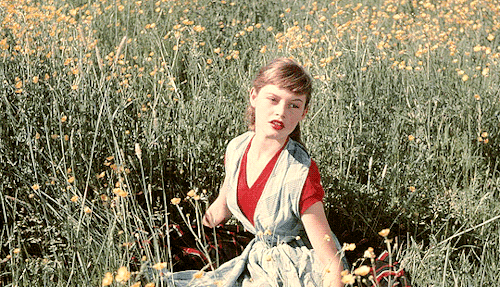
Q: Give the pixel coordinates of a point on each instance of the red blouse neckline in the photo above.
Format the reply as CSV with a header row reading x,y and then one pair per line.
x,y
248,197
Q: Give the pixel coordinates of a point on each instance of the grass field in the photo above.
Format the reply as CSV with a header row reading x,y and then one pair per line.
x,y
112,109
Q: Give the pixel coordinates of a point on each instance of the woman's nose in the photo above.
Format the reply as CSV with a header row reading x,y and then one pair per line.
x,y
280,109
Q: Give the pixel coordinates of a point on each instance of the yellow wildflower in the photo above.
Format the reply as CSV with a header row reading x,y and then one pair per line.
x,y
108,279
485,71
191,193
175,200
348,279
384,232
369,253
122,275
120,192
362,270
160,265
198,274
74,198
349,247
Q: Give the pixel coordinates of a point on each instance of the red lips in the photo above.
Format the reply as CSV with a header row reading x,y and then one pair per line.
x,y
277,125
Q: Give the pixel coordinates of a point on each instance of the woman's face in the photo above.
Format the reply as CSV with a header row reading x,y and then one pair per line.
x,y
277,111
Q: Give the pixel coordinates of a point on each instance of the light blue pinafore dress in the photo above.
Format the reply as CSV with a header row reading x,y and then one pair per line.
x,y
280,254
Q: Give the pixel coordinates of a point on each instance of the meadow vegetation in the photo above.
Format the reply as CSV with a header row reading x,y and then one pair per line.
x,y
115,116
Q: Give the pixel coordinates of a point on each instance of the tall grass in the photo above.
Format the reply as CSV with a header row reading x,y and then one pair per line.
x,y
112,108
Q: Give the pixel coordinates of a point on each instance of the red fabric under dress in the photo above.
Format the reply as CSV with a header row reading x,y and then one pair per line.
x,y
248,197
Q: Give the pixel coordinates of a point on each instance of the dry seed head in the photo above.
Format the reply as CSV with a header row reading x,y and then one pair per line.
x,y
138,151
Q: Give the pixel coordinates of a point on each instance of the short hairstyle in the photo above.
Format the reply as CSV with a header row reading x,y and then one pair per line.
x,y
286,74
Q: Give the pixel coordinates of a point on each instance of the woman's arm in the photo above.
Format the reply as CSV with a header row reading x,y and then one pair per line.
x,y
320,235
218,212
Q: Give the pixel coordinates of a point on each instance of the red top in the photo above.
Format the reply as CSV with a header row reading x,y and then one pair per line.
x,y
248,197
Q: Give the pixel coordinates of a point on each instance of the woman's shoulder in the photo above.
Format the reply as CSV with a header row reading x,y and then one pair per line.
x,y
240,138
238,142
299,152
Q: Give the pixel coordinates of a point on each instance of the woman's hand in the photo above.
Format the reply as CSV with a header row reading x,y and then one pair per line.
x,y
218,212
319,233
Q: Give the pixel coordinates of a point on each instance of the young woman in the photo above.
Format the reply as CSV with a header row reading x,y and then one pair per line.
x,y
273,187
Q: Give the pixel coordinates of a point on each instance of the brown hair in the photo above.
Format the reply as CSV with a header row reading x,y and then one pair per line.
x,y
286,74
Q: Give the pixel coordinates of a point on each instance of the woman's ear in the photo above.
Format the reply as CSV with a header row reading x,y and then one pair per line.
x,y
253,96
305,113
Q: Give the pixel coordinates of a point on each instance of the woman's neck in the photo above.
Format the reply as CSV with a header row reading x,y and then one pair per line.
x,y
263,147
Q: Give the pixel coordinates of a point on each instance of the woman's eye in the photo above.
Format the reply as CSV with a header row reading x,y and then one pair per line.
x,y
293,106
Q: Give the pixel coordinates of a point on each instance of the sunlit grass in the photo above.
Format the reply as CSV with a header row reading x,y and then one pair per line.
x,y
111,109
